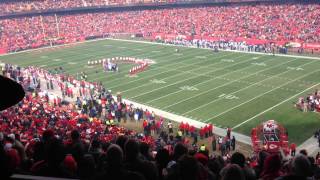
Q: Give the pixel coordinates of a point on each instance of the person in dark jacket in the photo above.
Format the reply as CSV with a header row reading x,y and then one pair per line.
x,y
134,162
115,169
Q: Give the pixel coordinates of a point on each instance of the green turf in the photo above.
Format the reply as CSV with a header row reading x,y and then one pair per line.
x,y
227,88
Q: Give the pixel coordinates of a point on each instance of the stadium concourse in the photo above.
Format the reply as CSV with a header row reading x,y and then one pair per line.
x,y
217,23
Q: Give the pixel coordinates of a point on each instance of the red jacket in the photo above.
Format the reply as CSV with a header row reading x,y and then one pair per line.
x,y
181,127
202,132
210,127
145,123
186,127
191,129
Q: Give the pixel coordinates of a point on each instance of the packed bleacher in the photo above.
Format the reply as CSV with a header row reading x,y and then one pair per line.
x,y
280,23
19,6
9,7
25,6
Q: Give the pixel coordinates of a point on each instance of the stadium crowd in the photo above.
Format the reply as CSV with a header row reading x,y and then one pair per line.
x,y
45,135
9,7
276,22
18,6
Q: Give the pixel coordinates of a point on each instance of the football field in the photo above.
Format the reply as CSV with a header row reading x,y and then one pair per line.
x,y
228,89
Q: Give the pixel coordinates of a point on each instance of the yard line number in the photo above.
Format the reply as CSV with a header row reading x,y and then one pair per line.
x,y
228,96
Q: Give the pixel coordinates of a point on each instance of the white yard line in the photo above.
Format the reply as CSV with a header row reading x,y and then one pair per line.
x,y
230,109
223,84
269,86
217,77
288,99
178,74
122,72
219,98
177,82
50,62
162,72
105,56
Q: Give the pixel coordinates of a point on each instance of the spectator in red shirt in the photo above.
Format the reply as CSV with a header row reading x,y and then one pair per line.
x,y
182,127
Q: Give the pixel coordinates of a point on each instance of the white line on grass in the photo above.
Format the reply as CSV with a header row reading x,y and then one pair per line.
x,y
124,72
217,77
278,87
156,67
223,84
54,62
177,82
264,85
276,105
219,98
162,72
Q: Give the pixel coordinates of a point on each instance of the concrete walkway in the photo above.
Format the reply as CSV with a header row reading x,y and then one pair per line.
x,y
311,145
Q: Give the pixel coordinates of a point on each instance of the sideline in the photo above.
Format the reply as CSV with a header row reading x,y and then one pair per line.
x,y
258,53
217,130
155,43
